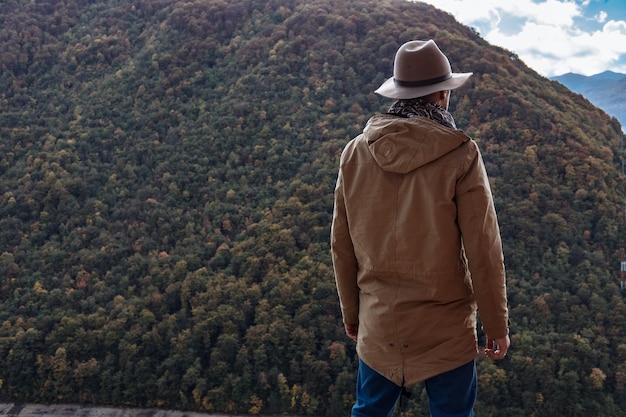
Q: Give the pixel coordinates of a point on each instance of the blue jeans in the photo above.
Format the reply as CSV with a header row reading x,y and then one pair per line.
x,y
450,394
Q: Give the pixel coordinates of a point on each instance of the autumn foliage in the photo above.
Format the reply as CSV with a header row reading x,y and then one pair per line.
x,y
166,178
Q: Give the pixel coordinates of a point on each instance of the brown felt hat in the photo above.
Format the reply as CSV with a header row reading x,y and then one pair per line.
x,y
419,69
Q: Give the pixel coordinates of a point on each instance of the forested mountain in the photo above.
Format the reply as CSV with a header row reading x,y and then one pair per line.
x,y
606,90
166,180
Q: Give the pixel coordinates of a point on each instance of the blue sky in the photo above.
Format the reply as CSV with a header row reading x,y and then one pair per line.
x,y
551,36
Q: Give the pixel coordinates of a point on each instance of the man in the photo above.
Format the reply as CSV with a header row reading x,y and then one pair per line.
x,y
413,216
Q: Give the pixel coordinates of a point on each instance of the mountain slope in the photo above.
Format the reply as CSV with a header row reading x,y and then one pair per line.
x,y
606,90
167,170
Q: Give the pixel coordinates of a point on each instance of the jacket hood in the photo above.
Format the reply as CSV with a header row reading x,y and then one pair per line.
x,y
401,145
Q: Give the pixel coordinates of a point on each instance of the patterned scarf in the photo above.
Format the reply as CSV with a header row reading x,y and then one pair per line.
x,y
417,107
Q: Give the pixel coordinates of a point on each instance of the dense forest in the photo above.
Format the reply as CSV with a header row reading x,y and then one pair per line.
x,y
166,181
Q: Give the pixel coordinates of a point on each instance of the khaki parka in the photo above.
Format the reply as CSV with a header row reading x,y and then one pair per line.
x,y
413,216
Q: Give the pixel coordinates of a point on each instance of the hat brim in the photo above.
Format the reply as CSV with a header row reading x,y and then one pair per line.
x,y
391,90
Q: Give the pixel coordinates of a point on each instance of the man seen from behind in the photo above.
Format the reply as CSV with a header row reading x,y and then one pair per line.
x,y
416,245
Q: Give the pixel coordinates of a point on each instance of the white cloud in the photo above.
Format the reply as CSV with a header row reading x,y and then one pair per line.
x,y
617,27
601,17
545,35
552,12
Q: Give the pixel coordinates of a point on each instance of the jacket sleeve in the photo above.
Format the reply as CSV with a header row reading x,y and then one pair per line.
x,y
483,246
344,260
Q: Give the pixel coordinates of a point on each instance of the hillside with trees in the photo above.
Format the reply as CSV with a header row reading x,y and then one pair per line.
x,y
167,170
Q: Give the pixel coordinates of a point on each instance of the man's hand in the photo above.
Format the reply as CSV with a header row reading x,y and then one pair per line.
x,y
497,348
352,330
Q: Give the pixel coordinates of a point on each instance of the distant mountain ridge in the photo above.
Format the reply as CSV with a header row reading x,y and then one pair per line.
x,y
606,90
